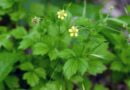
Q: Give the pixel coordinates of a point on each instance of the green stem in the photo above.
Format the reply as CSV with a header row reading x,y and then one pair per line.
x,y
84,9
83,87
59,28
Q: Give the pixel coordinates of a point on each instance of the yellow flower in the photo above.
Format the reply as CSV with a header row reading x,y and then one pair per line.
x,y
36,20
73,31
61,14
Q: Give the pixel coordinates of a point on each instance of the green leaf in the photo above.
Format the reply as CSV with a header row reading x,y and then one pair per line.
x,y
40,49
100,87
125,56
5,4
27,66
7,60
15,16
5,41
34,35
29,40
67,53
83,65
101,52
32,78
7,44
86,85
55,85
73,66
53,54
40,72
19,32
25,43
96,67
77,79
12,82
116,66
117,20
70,68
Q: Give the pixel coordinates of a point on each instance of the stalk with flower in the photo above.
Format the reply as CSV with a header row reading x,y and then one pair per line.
x,y
61,14
73,31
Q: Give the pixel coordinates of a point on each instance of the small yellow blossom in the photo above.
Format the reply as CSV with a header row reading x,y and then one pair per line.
x,y
36,20
62,14
73,31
